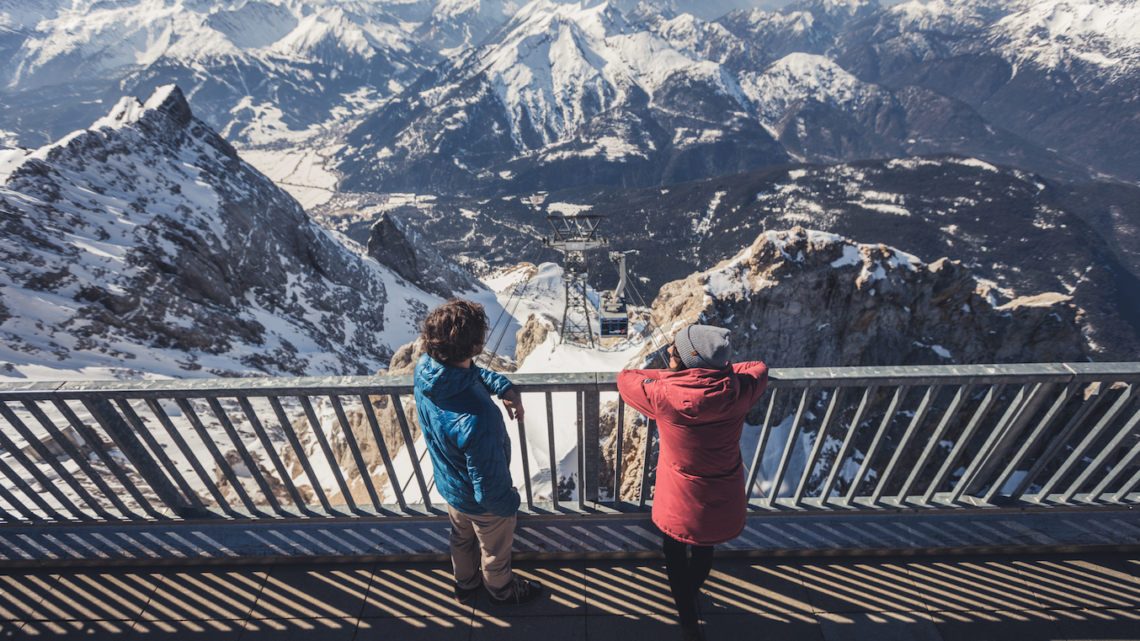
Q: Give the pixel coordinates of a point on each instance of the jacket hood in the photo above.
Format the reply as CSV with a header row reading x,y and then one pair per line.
x,y
438,381
702,394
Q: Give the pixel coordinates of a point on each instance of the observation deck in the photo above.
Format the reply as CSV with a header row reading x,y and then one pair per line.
x,y
909,502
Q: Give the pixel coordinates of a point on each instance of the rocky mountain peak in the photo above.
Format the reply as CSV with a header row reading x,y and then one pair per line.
x,y
146,246
804,298
401,249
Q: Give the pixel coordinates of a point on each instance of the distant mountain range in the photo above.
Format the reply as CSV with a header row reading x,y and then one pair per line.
x,y
494,97
568,95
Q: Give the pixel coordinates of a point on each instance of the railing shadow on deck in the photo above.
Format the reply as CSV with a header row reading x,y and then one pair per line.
x,y
1039,596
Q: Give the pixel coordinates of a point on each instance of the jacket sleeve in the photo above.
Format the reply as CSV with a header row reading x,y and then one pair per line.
x,y
495,382
489,471
756,371
636,392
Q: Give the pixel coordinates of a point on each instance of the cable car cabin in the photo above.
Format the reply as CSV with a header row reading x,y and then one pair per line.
x,y
613,315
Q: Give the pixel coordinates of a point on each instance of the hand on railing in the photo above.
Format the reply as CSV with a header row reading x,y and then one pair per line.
x,y
513,402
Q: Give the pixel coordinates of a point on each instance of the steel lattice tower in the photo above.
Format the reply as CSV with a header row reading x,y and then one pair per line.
x,y
574,236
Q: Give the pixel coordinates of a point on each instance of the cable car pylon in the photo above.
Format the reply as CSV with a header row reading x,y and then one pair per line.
x,y
574,236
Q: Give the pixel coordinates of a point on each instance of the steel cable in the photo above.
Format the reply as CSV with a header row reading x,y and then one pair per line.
x,y
516,293
653,326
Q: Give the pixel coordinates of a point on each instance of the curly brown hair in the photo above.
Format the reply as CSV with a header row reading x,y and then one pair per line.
x,y
454,331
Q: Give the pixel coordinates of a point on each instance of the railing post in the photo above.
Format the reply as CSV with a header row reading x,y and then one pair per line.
x,y
138,455
591,409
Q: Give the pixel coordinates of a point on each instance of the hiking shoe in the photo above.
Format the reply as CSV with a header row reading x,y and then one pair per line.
x,y
523,592
463,595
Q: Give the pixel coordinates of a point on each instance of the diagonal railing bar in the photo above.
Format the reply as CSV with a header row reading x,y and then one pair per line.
x,y
1034,438
24,488
817,447
1089,404
1128,488
116,428
220,461
378,437
299,451
271,452
1106,451
55,464
789,445
17,504
80,460
869,457
318,431
1015,408
848,443
169,475
1002,440
1126,462
901,448
761,442
357,454
963,440
410,446
1080,450
136,423
196,465
935,441
93,441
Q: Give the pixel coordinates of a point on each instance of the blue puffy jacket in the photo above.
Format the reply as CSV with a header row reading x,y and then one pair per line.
x,y
466,437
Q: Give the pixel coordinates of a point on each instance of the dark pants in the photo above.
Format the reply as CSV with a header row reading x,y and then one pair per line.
x,y
686,576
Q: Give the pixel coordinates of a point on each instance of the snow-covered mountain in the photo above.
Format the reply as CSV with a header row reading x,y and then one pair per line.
x,y
144,246
577,94
1060,73
251,68
567,89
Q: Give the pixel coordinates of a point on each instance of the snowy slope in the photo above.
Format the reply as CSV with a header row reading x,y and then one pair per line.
x,y
1053,33
577,87
145,247
237,61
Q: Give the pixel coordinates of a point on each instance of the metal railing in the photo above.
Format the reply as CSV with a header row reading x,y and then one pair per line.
x,y
868,438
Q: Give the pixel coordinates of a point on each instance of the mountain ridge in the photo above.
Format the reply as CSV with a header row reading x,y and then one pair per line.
x,y
145,246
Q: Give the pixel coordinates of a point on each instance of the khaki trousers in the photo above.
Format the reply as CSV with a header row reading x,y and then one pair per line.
x,y
484,538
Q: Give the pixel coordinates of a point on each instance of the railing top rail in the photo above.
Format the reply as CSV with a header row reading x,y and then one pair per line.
x,y
799,377
796,377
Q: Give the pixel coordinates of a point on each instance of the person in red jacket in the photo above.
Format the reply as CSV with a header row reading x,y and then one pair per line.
x,y
699,404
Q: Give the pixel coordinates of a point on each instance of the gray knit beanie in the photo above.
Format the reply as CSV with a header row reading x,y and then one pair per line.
x,y
703,346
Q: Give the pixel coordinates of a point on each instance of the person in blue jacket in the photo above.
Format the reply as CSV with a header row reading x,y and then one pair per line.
x,y
471,451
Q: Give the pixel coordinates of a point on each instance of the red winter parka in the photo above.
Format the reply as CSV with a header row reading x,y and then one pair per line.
x,y
700,497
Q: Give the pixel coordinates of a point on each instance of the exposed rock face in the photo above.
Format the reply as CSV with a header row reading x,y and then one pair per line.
x,y
810,299
533,333
403,251
145,243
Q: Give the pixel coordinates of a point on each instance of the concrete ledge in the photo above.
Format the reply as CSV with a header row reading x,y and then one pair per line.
x,y
399,540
